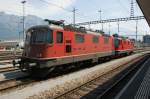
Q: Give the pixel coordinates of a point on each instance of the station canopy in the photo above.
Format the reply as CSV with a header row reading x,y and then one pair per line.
x,y
145,7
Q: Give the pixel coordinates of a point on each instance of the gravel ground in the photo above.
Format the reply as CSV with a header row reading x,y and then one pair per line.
x,y
59,85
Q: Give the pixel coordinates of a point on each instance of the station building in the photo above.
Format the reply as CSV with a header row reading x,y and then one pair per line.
x,y
8,45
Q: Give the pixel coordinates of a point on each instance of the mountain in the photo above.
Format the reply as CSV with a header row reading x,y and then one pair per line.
x,y
11,25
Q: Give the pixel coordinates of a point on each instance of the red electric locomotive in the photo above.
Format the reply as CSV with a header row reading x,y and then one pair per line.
x,y
123,46
53,45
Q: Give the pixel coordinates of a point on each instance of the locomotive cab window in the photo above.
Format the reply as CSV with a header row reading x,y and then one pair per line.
x,y
40,35
79,38
95,39
59,37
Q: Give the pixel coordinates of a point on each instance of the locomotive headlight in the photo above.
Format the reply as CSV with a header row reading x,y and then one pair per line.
x,y
40,55
33,64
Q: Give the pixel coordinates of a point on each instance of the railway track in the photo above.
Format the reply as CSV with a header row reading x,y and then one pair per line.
x,y
7,85
9,57
99,87
8,69
6,62
9,52
141,50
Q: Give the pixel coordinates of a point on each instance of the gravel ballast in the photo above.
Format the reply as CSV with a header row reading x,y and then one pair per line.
x,y
54,87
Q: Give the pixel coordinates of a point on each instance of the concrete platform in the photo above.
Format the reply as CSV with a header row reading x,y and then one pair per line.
x,y
139,85
144,89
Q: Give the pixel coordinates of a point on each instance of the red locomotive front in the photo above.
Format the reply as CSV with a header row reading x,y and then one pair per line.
x,y
37,49
38,42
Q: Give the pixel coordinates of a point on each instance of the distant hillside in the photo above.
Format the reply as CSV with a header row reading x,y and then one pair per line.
x,y
11,25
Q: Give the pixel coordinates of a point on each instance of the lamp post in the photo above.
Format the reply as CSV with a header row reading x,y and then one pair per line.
x,y
74,16
23,18
136,30
100,16
118,24
109,28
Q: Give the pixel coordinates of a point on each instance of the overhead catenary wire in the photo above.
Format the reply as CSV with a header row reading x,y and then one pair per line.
x,y
122,5
70,11
46,2
77,14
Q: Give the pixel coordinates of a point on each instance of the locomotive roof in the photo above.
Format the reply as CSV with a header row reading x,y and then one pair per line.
x,y
38,26
53,24
75,29
68,28
79,30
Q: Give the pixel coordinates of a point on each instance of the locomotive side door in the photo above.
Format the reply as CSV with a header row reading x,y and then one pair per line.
x,y
59,45
68,44
116,43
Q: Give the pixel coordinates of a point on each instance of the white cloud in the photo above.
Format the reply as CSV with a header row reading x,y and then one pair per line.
x,y
36,7
10,6
48,9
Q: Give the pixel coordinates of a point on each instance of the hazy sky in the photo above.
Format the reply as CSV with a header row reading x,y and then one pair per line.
x,y
86,10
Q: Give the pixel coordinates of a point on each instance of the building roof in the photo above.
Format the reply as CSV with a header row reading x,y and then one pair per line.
x,y
144,5
9,43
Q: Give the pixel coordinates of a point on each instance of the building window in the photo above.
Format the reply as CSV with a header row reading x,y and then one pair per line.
x,y
59,37
79,38
95,39
106,40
